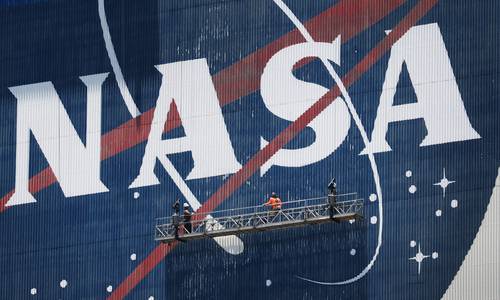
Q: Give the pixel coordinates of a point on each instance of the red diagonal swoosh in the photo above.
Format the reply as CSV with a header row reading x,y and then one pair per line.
x,y
278,142
347,18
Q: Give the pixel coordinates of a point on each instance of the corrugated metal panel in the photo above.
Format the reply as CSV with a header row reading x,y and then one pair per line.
x,y
217,81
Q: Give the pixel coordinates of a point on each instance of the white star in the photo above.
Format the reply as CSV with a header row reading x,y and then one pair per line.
x,y
444,182
419,258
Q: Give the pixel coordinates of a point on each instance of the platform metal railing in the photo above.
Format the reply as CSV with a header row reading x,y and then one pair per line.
x,y
260,218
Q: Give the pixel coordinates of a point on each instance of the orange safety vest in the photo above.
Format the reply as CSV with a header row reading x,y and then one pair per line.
x,y
275,203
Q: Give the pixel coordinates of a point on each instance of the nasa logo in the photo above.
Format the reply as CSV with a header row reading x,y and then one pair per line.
x,y
420,185
446,119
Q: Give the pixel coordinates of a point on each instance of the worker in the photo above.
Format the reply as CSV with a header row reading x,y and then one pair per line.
x,y
332,197
176,218
176,207
274,203
188,227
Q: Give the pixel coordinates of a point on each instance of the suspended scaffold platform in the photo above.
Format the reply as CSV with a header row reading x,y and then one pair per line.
x,y
260,218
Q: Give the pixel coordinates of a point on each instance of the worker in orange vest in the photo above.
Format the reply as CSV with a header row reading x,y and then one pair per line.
x,y
275,203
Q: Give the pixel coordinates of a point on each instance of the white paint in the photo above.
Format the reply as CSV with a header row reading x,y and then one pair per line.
x,y
373,220
133,256
268,282
352,221
75,165
364,136
435,255
412,189
373,197
419,258
408,173
454,203
439,102
444,182
479,274
353,252
63,283
413,244
109,289
438,213
151,298
136,195
206,133
288,97
120,80
33,291
231,244
206,137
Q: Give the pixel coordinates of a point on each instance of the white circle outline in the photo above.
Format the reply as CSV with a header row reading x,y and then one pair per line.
x,y
357,121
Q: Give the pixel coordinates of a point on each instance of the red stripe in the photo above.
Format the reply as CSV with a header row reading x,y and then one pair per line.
x,y
242,78
285,136
347,18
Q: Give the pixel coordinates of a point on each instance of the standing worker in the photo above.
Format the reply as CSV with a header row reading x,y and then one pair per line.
x,y
188,227
176,218
275,203
332,197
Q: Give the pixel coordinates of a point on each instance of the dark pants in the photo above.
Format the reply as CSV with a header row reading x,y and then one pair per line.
x,y
332,202
176,232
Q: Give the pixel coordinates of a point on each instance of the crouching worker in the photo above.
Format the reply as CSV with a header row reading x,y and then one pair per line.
x,y
274,203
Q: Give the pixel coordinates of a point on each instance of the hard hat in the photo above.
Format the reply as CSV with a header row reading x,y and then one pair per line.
x,y
186,205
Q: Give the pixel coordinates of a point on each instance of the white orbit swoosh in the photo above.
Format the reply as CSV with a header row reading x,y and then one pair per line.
x,y
357,121
231,244
122,85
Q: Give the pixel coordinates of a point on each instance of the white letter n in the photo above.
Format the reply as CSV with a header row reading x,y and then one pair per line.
x,y
76,166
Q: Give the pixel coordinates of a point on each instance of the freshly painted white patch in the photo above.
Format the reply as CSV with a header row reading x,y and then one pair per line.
x,y
439,102
136,195
75,165
413,244
268,282
133,256
231,244
373,197
109,289
408,174
435,255
33,291
438,213
353,252
454,203
373,220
